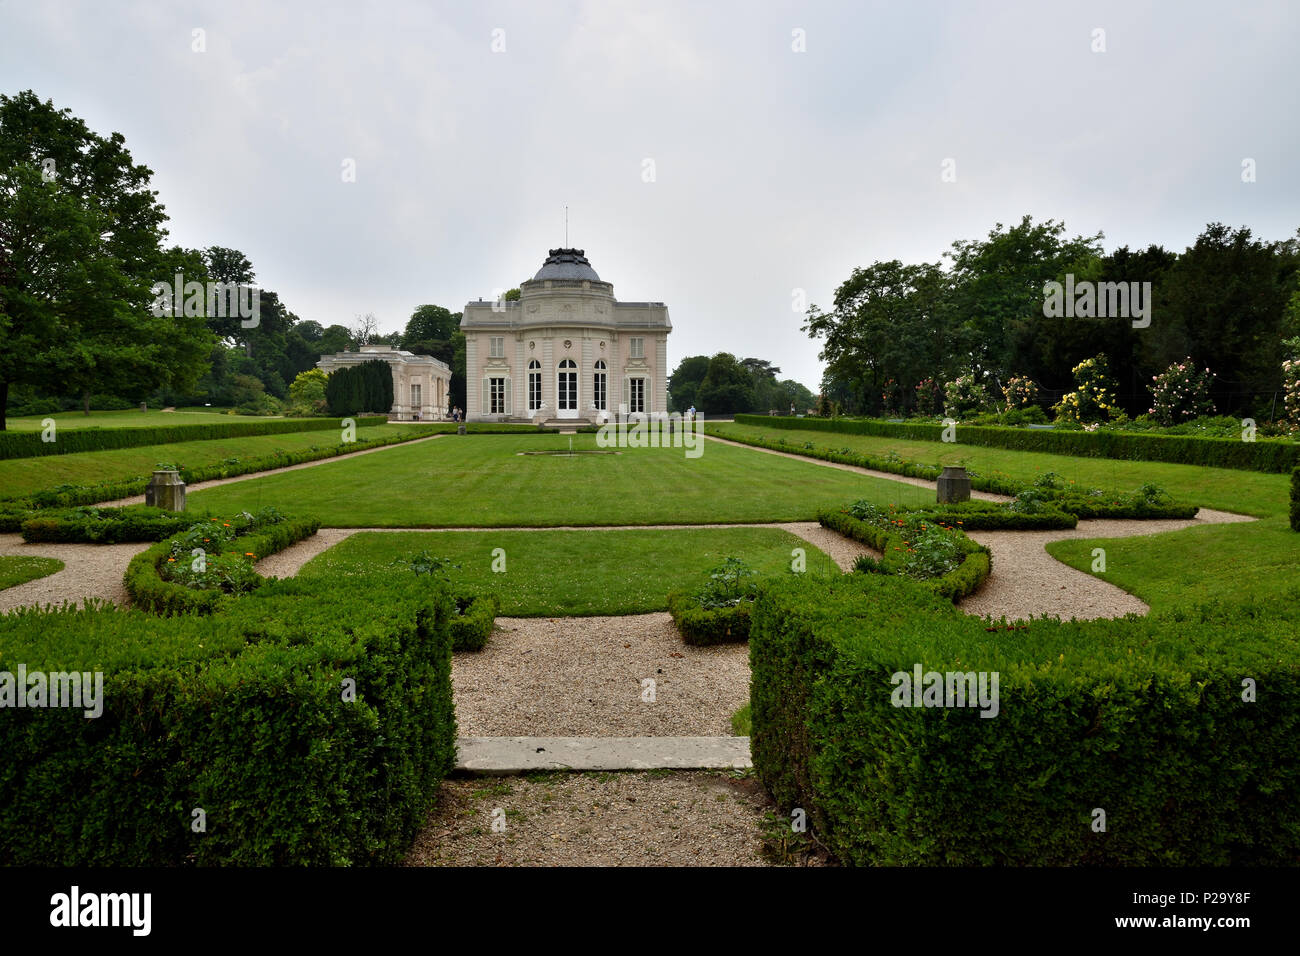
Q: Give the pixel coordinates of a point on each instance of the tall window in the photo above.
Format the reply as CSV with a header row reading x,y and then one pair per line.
x,y
415,396
599,387
566,398
534,385
497,393
496,346
636,347
636,395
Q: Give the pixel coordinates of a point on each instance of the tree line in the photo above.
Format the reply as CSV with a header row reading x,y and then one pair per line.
x,y
1228,302
722,385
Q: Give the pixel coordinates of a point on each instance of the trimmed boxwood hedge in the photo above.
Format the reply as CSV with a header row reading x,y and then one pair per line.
x,y
471,628
705,626
988,516
28,444
243,714
1143,718
105,525
149,591
1267,455
958,583
1295,500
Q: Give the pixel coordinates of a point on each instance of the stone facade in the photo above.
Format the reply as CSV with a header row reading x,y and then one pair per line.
x,y
567,350
421,383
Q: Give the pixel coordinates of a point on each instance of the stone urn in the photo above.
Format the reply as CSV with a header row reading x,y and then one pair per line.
x,y
953,485
165,490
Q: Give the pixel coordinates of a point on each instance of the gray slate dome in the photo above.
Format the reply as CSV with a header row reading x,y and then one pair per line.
x,y
566,264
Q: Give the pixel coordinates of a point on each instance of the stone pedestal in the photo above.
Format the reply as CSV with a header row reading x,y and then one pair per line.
x,y
460,429
953,485
165,490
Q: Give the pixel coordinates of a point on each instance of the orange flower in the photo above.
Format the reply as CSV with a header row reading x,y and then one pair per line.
x,y
225,524
249,554
171,560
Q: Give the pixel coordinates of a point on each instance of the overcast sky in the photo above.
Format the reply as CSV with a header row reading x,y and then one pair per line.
x,y
773,170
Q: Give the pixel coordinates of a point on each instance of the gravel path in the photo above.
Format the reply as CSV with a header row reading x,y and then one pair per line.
x,y
682,818
218,482
887,475
1027,581
90,571
583,677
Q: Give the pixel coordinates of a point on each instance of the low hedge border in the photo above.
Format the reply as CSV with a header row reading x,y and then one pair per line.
x,y
312,725
150,592
69,441
471,628
982,516
104,525
704,627
1295,500
1267,455
958,583
1082,506
1144,717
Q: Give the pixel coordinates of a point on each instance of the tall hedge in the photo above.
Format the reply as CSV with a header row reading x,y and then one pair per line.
x,y
1266,455
367,387
244,715
71,440
1142,718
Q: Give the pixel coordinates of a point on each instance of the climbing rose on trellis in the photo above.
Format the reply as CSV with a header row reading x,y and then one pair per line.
x,y
1291,385
1181,392
1020,392
1094,398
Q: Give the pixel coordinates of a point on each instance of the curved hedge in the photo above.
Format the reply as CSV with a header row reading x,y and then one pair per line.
x,y
1142,717
28,444
703,627
151,592
310,725
1268,455
958,583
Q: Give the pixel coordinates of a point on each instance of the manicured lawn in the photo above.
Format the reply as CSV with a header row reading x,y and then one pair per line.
x,y
483,481
21,476
130,418
19,569
1236,563
1226,489
572,573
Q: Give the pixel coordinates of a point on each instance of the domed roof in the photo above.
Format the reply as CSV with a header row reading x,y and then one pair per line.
x,y
566,264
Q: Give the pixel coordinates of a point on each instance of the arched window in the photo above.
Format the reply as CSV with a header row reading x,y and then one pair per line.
x,y
566,390
534,386
600,387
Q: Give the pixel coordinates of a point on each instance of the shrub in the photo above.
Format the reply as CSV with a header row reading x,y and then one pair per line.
x,y
717,612
312,727
1093,399
472,621
929,397
964,396
1180,393
1020,392
103,525
1291,387
1143,717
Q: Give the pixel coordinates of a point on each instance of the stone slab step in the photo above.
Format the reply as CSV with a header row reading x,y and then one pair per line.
x,y
509,755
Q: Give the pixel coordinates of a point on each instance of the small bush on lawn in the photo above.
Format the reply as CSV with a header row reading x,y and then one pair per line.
x,y
312,724
718,611
1144,717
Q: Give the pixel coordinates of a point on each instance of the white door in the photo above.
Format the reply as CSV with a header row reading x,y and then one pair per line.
x,y
566,389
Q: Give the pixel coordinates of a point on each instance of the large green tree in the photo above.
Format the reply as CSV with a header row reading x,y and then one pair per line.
x,y
684,382
81,239
727,387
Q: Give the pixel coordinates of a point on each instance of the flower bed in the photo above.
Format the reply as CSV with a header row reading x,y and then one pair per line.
x,y
718,612
89,525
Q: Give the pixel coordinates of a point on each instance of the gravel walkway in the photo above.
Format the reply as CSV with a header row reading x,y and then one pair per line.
x,y
1027,581
886,475
583,677
682,818
90,571
218,482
